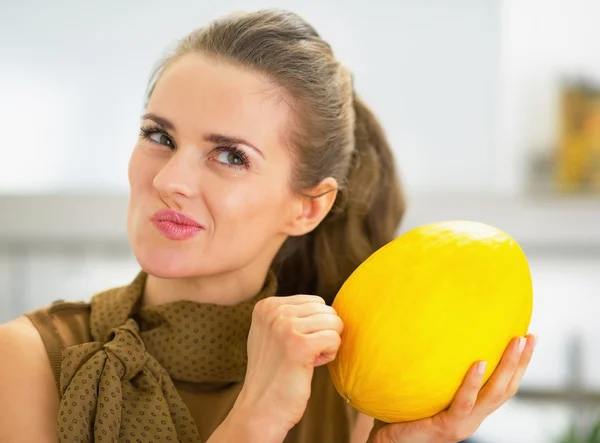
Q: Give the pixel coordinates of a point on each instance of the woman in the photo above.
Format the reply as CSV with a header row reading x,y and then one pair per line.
x,y
258,171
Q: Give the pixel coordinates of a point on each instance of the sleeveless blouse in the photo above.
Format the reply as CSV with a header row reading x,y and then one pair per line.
x,y
163,373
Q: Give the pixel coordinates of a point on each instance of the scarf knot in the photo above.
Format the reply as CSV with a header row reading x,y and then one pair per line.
x,y
119,387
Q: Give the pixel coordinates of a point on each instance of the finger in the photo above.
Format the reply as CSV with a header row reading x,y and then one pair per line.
x,y
319,322
378,424
361,431
325,345
513,385
272,309
309,309
300,299
465,398
381,432
494,393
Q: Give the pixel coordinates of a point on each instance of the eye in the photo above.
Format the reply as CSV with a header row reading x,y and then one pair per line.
x,y
232,157
161,139
157,135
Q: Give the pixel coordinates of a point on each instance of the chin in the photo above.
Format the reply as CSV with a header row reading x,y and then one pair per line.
x,y
164,269
163,261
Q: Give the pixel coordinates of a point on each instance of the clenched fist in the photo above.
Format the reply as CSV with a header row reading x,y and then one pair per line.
x,y
289,337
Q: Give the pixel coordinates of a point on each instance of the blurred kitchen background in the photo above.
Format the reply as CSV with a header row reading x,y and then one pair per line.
x,y
492,107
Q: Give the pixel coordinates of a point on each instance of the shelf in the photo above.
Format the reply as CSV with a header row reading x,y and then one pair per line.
x,y
536,222
63,219
559,396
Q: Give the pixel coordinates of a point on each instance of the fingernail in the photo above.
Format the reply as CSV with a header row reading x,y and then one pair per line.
x,y
535,340
481,367
522,342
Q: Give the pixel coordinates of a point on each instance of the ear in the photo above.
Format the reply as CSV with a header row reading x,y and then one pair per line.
x,y
312,207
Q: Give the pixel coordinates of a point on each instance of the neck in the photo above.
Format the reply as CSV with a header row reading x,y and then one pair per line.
x,y
228,288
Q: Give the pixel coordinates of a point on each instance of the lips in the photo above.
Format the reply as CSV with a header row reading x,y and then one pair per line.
x,y
175,226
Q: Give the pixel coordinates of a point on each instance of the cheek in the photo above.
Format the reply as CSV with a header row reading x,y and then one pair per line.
x,y
261,201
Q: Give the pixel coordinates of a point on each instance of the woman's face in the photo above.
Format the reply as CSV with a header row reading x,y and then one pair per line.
x,y
212,148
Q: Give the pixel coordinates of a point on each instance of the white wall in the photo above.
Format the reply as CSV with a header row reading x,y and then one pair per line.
x,y
543,41
465,88
73,74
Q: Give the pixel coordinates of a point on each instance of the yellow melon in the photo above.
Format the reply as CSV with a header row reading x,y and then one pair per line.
x,y
421,310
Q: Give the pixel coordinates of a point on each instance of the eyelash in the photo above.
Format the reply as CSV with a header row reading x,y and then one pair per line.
x,y
147,131
237,151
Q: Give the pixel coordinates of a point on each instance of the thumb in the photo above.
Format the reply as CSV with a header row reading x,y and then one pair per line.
x,y
323,359
375,436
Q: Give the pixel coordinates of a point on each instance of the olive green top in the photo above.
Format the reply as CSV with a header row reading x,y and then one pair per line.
x,y
163,373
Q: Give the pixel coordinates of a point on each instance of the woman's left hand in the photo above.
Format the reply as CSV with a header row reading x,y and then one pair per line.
x,y
472,403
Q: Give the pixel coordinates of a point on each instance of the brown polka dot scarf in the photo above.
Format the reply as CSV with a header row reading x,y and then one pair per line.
x,y
119,387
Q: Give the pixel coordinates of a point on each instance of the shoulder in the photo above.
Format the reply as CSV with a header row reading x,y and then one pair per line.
x,y
62,324
31,349
20,341
27,390
18,333
67,323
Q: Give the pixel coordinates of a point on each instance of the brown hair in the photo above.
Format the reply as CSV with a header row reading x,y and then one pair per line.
x,y
334,135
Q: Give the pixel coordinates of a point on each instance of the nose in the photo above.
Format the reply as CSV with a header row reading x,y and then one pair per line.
x,y
178,179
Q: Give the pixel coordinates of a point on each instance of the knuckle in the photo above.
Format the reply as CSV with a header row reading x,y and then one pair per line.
x,y
496,397
328,340
337,339
334,341
259,306
307,298
257,313
297,348
274,302
512,391
467,404
455,432
295,342
474,384
281,326
317,299
263,306
513,361
526,359
460,435
326,309
387,434
450,432
267,302
283,311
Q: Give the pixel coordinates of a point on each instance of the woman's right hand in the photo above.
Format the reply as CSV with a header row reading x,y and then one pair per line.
x,y
289,337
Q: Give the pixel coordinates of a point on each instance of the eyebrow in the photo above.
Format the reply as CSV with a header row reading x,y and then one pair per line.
x,y
160,120
226,140
212,138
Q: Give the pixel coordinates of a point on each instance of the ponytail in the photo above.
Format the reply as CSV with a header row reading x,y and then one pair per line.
x,y
365,216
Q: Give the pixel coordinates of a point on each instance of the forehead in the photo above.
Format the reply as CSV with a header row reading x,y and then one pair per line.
x,y
199,93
